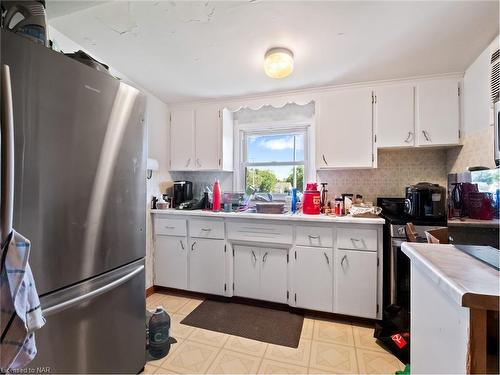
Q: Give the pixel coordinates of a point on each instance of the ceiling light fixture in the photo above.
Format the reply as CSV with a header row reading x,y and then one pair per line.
x,y
278,62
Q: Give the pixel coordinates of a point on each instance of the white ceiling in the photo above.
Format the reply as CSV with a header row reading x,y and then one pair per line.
x,y
195,50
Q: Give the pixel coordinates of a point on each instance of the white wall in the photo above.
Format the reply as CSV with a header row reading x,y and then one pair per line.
x,y
477,128
157,119
476,93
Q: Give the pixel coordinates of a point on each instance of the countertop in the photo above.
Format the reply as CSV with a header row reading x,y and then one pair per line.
x,y
466,222
288,217
468,281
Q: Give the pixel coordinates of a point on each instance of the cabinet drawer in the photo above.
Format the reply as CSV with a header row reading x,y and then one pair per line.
x,y
314,236
357,239
260,232
206,228
171,227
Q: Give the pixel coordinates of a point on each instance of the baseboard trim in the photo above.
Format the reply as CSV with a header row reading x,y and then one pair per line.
x,y
150,291
272,305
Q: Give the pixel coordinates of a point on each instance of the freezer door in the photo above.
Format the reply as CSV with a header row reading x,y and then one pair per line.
x,y
80,190
95,327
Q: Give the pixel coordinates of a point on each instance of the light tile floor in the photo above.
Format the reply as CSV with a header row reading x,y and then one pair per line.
x,y
326,347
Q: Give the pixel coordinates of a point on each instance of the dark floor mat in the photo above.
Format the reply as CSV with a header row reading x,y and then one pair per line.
x,y
253,322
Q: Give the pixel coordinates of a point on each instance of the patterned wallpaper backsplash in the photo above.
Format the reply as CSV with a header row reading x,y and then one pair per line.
x,y
396,170
477,150
202,179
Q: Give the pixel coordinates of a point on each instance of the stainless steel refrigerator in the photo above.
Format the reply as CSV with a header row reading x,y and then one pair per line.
x,y
80,197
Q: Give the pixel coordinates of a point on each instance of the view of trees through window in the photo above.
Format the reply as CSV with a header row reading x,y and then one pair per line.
x,y
488,181
274,162
267,180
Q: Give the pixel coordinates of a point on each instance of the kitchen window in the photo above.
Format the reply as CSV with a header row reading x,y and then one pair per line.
x,y
273,161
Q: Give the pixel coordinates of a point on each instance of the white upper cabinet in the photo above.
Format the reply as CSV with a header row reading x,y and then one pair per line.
x,y
207,138
344,129
201,139
182,140
437,104
395,116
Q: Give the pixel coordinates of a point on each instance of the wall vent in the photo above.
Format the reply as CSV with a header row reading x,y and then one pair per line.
x,y
495,74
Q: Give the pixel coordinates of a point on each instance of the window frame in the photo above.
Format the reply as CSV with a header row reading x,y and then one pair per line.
x,y
277,127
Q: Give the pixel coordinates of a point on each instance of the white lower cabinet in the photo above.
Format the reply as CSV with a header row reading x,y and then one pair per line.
x,y
315,267
206,266
312,274
355,281
273,275
170,261
246,271
260,273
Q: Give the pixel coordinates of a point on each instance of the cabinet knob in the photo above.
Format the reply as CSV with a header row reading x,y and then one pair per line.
x,y
327,259
324,159
182,245
264,258
188,162
192,246
254,256
312,237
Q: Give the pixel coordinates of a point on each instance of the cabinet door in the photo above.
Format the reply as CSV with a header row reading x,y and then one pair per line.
x,y
345,134
395,116
182,140
207,138
355,283
273,275
170,262
206,266
312,275
246,271
438,112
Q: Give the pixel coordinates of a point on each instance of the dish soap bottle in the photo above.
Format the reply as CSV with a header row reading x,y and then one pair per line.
x,y
216,197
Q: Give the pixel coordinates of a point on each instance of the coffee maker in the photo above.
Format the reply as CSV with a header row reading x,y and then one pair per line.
x,y
425,201
183,192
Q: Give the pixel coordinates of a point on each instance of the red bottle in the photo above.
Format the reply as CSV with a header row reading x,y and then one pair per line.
x,y
216,197
312,200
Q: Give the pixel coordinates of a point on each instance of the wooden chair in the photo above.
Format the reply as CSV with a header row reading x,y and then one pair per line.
x,y
439,235
411,233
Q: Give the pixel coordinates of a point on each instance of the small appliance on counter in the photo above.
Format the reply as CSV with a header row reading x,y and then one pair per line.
x,y
312,200
460,196
183,192
481,206
425,201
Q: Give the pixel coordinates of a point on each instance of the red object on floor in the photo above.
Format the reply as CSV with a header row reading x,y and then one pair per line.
x,y
398,340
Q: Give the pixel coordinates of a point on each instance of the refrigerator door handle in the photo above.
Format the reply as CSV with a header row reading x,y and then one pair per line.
x,y
7,155
80,299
